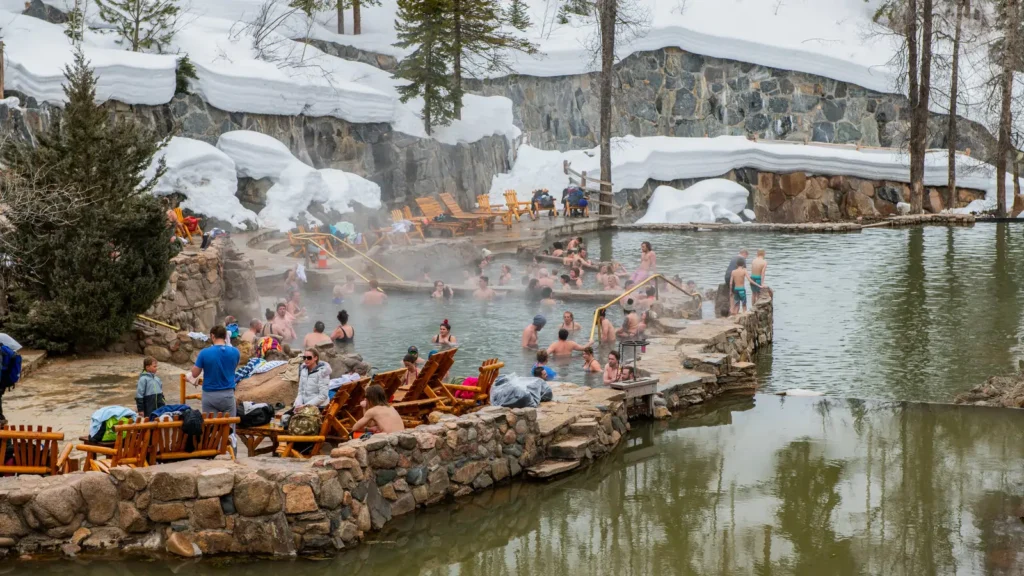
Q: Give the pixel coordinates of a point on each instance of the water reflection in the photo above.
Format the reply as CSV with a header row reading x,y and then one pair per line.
x,y
793,486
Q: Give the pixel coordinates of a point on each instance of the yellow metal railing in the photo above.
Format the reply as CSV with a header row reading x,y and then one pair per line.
x,y
634,288
311,236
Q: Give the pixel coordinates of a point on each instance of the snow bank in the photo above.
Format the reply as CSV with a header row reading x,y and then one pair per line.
x,y
296,185
704,202
206,176
36,53
636,160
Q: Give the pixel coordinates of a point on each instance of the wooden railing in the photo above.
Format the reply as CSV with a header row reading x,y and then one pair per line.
x,y
583,182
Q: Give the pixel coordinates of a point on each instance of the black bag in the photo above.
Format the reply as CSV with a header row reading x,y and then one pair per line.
x,y
258,415
192,426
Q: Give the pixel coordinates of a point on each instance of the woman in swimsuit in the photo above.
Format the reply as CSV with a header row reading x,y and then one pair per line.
x,y
590,364
506,275
569,322
343,335
438,292
648,263
444,334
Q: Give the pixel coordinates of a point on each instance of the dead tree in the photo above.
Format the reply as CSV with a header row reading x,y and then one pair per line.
x,y
954,93
1009,15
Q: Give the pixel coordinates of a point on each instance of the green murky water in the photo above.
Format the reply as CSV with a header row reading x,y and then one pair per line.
x,y
765,486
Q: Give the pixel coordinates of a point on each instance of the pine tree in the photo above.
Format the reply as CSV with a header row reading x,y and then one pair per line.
x,y
424,25
81,286
478,37
184,72
563,16
142,24
74,28
517,15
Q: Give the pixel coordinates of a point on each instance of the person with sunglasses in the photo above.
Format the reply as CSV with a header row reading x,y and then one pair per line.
x,y
314,381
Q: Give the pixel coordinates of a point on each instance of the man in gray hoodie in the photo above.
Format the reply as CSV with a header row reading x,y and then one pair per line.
x,y
149,392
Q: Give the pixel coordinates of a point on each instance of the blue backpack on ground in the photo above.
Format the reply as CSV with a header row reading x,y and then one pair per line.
x,y
10,367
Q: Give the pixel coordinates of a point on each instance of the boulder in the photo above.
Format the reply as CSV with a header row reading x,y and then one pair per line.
x,y
793,183
173,485
179,544
207,513
159,352
215,482
56,506
101,497
269,535
130,519
166,512
255,496
404,505
299,499
469,471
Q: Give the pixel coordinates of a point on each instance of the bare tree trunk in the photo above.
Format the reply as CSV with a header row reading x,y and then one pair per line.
x,y
357,18
954,89
457,49
607,22
341,16
912,87
1016,175
1009,16
920,142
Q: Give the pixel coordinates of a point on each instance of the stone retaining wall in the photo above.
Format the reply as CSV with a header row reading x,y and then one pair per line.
x,y
282,507
799,197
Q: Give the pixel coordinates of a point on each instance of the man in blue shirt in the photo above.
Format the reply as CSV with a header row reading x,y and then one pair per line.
x,y
217,364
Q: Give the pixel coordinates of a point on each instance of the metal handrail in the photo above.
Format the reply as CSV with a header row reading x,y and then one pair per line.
x,y
634,288
310,236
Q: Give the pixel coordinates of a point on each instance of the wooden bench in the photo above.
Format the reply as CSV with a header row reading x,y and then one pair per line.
x,y
35,451
132,448
170,443
489,370
479,220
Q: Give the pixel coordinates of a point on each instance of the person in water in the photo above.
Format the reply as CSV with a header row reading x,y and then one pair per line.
x,y
590,364
612,371
506,275
529,340
546,301
444,334
316,337
605,328
648,263
542,364
442,291
565,347
373,296
379,417
343,335
411,369
569,322
338,294
280,325
758,269
484,291
631,323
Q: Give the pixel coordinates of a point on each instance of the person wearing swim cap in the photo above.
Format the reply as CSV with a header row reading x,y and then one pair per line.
x,y
530,332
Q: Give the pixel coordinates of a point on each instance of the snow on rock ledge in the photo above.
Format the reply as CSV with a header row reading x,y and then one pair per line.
x,y
206,176
705,202
296,184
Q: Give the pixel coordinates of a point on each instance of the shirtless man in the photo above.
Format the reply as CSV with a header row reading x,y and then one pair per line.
x,y
565,347
530,332
605,329
612,372
316,337
737,281
379,416
543,280
546,301
483,290
631,325
373,296
758,268
253,332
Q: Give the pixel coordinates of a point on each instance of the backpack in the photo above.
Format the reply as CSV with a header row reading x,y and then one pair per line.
x,y
10,367
192,426
109,434
305,422
256,415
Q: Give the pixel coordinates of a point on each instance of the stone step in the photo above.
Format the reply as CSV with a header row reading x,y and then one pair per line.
x,y
572,448
587,428
549,468
31,360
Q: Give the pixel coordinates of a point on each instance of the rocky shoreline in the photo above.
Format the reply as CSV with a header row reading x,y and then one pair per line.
x,y
997,391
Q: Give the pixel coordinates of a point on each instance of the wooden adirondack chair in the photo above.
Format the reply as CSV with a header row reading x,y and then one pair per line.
x,y
170,442
481,392
420,398
518,208
132,448
479,220
431,209
183,228
336,413
390,381
35,451
484,201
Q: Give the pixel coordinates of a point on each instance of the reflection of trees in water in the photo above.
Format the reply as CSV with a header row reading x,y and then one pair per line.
x,y
1001,533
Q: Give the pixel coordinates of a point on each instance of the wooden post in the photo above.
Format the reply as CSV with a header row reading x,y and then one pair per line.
x,y
1,69
583,180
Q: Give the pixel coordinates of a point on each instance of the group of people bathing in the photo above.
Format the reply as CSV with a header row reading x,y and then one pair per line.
x,y
737,276
565,347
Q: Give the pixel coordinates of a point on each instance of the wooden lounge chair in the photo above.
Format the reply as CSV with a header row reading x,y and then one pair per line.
x,y
132,448
181,227
481,392
417,400
518,208
431,210
484,201
480,220
335,416
170,443
35,451
390,381
299,446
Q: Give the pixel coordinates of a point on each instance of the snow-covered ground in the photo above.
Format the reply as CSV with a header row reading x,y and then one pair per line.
x,y
704,202
636,160
206,176
296,185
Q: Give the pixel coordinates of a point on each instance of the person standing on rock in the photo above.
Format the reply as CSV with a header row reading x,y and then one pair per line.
x,y
217,364
732,264
758,268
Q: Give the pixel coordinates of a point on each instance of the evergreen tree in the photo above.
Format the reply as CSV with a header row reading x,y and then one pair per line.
x,y
74,28
142,24
563,16
477,36
517,15
81,286
184,72
425,26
